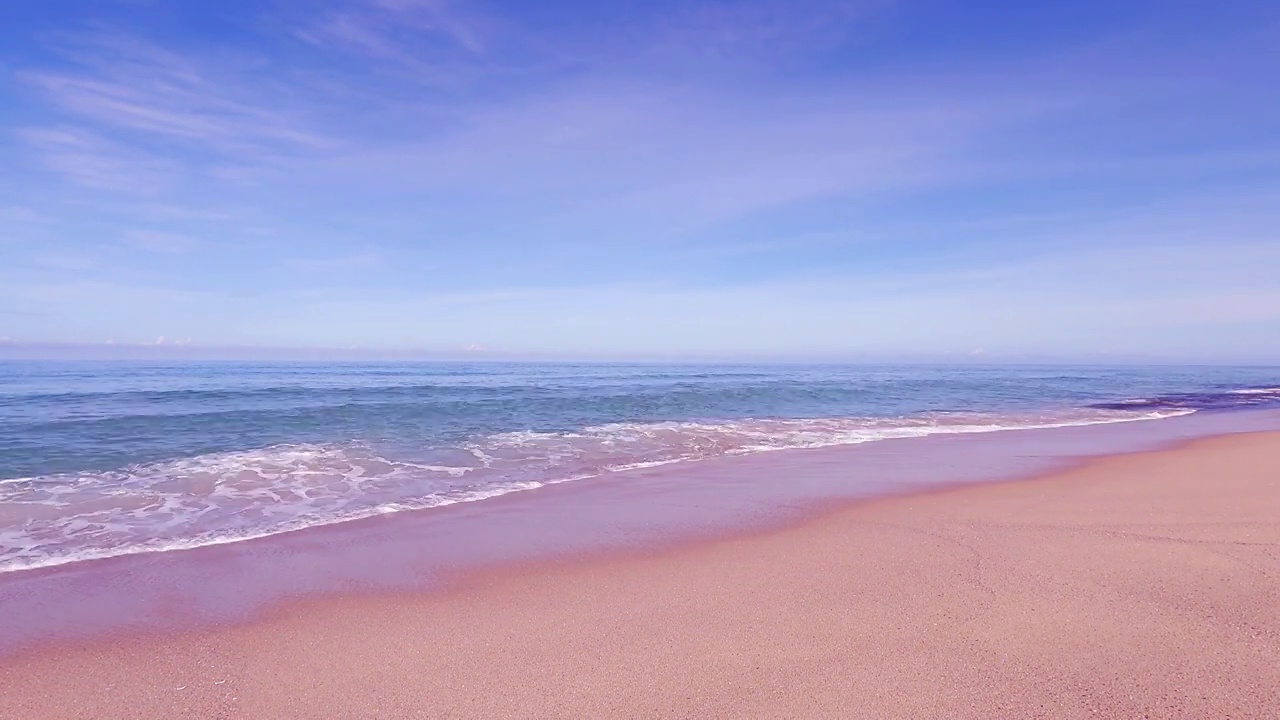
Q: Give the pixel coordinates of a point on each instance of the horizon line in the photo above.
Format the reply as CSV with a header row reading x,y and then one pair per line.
x,y
186,351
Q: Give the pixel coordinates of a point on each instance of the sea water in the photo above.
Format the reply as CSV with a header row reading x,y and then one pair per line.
x,y
104,459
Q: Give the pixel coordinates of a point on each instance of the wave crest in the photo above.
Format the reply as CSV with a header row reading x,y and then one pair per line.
x,y
232,496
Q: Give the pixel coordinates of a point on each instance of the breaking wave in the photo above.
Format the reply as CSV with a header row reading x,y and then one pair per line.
x,y
228,497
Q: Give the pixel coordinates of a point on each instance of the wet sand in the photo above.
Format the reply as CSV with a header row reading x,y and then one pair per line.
x,y
1143,585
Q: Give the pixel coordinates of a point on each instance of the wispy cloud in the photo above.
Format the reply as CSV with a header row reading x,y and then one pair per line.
x,y
758,30
437,41
129,84
130,116
691,173
93,161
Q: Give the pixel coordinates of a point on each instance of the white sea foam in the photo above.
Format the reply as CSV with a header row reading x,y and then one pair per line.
x,y
229,497
1256,391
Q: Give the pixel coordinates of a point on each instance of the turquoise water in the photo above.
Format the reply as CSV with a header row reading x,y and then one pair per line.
x,y
103,459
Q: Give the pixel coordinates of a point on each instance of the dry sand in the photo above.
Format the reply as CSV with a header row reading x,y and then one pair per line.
x,y
1137,586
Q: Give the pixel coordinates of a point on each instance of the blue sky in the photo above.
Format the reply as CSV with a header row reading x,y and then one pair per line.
x,y
805,179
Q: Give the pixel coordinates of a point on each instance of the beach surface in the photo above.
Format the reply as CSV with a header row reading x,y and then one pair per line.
x,y
1133,586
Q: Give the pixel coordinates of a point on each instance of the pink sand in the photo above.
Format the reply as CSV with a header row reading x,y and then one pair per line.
x,y
1144,585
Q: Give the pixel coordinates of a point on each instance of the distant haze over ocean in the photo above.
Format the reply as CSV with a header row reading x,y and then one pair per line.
x,y
167,350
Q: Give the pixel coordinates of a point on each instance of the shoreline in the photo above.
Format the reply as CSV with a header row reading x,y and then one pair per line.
x,y
663,466
693,567
225,586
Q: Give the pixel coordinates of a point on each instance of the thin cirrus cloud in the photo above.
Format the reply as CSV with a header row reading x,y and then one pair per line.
x,y
148,96
713,178
409,33
95,162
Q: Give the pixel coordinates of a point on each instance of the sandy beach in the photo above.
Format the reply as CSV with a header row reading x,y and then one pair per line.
x,y
1136,586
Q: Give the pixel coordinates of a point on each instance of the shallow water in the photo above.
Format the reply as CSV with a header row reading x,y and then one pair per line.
x,y
106,459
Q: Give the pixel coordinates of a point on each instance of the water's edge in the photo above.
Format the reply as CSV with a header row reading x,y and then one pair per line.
x,y
639,511
103,460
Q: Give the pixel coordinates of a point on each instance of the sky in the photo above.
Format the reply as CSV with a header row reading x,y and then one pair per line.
x,y
805,179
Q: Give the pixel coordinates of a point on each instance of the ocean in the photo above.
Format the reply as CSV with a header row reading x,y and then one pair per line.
x,y
105,459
